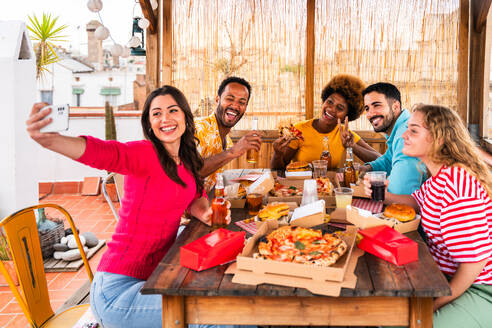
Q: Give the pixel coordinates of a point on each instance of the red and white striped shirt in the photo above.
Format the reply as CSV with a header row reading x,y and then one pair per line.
x,y
457,218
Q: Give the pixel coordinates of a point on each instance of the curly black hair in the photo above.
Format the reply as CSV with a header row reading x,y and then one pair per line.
x,y
234,79
187,150
350,87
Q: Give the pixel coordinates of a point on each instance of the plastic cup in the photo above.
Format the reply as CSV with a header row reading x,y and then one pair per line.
x,y
309,192
343,197
320,168
377,179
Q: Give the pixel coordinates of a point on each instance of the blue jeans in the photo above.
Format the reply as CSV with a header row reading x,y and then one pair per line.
x,y
116,302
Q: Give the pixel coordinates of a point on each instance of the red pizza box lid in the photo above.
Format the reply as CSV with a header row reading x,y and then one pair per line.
x,y
218,247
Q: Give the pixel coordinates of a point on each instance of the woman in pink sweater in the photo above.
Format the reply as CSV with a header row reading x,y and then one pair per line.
x,y
161,182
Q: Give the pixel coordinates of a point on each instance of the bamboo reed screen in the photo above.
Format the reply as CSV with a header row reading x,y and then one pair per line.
x,y
411,43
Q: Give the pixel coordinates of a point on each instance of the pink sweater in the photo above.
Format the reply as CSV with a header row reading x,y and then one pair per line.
x,y
150,209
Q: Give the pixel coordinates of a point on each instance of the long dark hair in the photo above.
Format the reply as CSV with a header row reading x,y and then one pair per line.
x,y
188,152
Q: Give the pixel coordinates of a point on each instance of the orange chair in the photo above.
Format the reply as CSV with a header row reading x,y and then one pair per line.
x,y
22,237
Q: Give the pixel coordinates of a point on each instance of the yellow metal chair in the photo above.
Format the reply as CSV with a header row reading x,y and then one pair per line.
x,y
22,237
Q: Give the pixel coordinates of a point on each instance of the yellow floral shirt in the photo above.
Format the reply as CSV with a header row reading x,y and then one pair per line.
x,y
209,143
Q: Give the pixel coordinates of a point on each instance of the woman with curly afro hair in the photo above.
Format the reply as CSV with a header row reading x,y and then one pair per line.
x,y
342,102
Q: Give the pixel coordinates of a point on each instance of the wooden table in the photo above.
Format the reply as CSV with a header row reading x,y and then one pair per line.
x,y
385,294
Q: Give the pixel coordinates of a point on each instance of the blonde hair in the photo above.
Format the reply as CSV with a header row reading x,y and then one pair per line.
x,y
452,144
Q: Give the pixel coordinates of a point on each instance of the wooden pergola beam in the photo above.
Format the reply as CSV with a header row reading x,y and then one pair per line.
x,y
478,86
149,14
463,69
167,41
310,42
480,12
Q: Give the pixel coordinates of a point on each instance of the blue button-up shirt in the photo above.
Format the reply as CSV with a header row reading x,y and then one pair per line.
x,y
406,173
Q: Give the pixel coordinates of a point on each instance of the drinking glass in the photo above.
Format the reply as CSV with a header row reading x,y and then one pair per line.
x,y
320,168
377,179
343,196
254,202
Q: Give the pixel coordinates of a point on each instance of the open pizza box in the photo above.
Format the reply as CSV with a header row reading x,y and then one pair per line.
x,y
329,200
317,279
365,219
306,216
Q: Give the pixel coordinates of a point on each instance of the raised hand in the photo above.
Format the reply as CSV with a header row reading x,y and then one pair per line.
x,y
346,136
281,144
252,140
36,122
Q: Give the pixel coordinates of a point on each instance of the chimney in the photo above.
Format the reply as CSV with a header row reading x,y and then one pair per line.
x,y
94,46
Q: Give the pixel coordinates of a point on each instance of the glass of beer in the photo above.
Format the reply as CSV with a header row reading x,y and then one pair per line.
x,y
254,202
377,179
252,154
343,197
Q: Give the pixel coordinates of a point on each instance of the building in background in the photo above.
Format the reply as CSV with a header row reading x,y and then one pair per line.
x,y
90,81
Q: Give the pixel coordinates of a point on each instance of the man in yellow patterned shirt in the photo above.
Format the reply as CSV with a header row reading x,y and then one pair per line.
x,y
214,143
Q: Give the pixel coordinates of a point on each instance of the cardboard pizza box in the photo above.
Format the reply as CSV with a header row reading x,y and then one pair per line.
x,y
329,200
309,215
299,175
328,288
365,219
237,202
335,272
262,185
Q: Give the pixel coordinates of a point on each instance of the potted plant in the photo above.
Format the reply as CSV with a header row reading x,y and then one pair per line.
x,y
110,135
6,259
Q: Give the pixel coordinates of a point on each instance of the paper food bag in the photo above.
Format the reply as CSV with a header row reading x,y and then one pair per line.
x,y
218,247
389,244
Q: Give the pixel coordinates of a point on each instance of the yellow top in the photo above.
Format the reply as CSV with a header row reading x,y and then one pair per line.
x,y
207,132
311,148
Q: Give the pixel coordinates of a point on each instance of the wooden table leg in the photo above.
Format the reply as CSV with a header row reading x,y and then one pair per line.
x,y
421,312
173,311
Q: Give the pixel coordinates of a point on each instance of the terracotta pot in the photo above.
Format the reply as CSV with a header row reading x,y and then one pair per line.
x,y
9,265
112,193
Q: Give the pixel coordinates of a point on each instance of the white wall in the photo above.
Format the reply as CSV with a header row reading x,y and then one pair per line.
x,y
18,187
51,167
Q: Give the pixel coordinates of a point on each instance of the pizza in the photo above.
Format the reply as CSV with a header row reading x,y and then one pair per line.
x,y
291,131
301,245
280,190
324,186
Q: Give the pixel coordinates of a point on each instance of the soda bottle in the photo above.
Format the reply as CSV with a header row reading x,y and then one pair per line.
x,y
252,154
325,155
349,175
219,205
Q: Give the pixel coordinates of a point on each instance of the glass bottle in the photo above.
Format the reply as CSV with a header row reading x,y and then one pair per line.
x,y
252,154
219,205
326,155
349,175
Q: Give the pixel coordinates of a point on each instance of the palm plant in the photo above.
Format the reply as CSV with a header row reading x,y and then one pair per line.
x,y
45,33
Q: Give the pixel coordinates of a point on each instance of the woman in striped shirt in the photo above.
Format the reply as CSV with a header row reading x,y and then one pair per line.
x,y
456,209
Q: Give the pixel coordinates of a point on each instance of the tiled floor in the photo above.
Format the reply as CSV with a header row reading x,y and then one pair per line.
x,y
90,213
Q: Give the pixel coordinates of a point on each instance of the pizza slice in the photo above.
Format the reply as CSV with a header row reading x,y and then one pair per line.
x,y
291,132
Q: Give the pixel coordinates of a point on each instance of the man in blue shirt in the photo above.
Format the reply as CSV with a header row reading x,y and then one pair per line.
x,y
382,103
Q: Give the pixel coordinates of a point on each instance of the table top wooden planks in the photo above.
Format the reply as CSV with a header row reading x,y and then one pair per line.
x,y
375,277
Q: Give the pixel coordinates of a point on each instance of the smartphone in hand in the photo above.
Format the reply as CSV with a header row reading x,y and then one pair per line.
x,y
59,114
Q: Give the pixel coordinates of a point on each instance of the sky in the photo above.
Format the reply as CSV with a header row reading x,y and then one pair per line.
x,y
116,15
